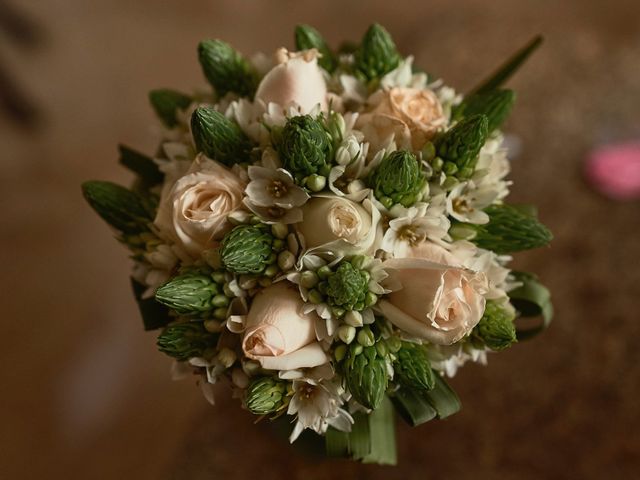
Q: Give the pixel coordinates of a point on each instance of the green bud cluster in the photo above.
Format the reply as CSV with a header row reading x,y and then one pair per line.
x,y
458,147
377,54
510,229
266,395
496,329
218,137
194,293
412,367
305,147
345,289
495,105
248,249
186,340
226,70
307,37
365,374
398,179
166,103
120,207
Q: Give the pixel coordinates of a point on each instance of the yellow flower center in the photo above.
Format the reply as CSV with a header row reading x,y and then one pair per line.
x,y
277,189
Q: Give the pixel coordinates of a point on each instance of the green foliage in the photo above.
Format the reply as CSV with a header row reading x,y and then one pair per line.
x,y
307,37
510,229
366,376
398,179
459,146
247,249
266,395
218,137
226,70
166,103
140,164
305,147
413,368
121,208
186,340
189,293
496,329
495,105
531,299
377,54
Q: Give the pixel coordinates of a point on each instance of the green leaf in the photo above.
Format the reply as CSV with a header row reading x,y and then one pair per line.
x,y
226,70
141,165
371,440
121,208
510,230
166,103
532,299
495,105
307,37
413,406
442,398
218,137
508,68
154,315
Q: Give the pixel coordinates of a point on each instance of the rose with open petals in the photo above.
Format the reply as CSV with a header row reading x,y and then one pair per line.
x,y
297,80
411,115
345,225
433,301
194,212
278,334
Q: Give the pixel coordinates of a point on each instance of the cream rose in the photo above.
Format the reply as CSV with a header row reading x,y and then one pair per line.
x,y
345,225
297,79
278,334
436,302
411,115
194,212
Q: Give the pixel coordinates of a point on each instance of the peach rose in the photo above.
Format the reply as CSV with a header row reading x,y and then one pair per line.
x,y
434,301
278,334
411,115
297,79
193,213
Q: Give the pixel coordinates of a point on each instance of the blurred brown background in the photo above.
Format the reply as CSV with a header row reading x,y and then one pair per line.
x,y
84,392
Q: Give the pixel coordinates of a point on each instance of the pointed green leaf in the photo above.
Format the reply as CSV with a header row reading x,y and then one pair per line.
x,y
154,315
413,407
141,165
382,431
442,398
508,68
495,105
166,103
532,299
226,70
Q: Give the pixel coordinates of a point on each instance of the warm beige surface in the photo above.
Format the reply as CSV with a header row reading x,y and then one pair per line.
x,y
84,393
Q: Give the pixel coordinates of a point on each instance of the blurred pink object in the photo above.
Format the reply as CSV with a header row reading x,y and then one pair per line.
x,y
614,170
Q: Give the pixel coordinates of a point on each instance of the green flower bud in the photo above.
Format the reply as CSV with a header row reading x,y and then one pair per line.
x,y
187,294
462,143
218,137
366,377
226,70
394,344
186,340
347,287
353,318
266,395
307,37
495,104
496,328
398,177
166,104
366,338
286,260
413,368
305,147
346,333
308,279
121,208
246,249
280,230
340,352
316,183
377,54
428,152
510,229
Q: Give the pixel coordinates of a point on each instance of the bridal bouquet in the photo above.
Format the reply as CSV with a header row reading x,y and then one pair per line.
x,y
327,232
